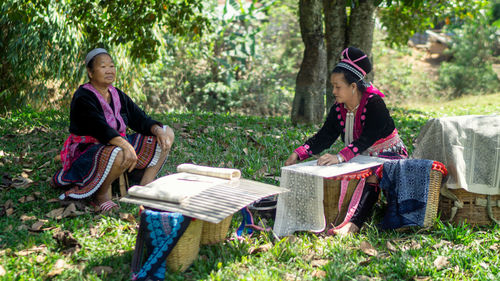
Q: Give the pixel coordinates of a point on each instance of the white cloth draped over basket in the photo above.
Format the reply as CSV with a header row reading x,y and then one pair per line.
x,y
469,147
301,209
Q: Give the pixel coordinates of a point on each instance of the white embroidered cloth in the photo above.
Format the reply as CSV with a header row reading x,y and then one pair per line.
x,y
469,147
301,209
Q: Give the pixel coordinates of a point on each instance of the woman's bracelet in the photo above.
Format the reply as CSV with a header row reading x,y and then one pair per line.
x,y
340,158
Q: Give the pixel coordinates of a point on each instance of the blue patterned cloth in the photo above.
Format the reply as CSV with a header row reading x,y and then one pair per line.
x,y
406,185
159,232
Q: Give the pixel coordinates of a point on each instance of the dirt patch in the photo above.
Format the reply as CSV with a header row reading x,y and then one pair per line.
x,y
422,61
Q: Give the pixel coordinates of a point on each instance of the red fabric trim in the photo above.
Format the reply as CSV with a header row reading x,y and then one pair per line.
x,y
354,175
438,166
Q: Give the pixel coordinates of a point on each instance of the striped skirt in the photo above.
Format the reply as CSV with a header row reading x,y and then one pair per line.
x,y
88,172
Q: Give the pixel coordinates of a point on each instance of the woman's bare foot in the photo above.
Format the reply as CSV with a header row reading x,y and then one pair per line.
x,y
347,229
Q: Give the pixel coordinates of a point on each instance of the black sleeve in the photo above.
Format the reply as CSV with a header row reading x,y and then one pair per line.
x,y
135,117
87,117
327,135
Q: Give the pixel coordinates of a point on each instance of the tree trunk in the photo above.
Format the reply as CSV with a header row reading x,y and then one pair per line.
x,y
361,26
335,34
308,103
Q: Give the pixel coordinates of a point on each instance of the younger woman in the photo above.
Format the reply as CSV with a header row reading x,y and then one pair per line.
x,y
360,117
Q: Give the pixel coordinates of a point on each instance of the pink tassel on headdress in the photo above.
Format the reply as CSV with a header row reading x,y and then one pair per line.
x,y
373,90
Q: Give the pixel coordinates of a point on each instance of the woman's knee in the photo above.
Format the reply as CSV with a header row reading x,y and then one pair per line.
x,y
117,167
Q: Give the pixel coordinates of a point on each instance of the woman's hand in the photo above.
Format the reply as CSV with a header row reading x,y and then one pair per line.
x,y
129,159
292,159
165,137
327,160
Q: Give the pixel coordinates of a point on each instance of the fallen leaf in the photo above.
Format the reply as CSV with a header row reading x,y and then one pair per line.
x,y
102,269
440,262
441,244
245,150
414,245
24,174
60,263
127,217
367,248
391,247
8,204
65,239
55,272
484,265
319,263
27,218
319,274
260,249
9,212
2,271
22,227
70,211
290,277
37,225
22,199
40,259
53,200
34,249
21,182
30,198
55,214
37,194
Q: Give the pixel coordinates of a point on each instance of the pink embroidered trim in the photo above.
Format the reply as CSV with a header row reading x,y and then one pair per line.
x,y
391,142
112,118
302,151
347,153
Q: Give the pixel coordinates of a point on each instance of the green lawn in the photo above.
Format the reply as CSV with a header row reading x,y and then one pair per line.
x,y
257,146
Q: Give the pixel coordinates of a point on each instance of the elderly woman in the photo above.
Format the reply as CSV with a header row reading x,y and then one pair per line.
x,y
98,150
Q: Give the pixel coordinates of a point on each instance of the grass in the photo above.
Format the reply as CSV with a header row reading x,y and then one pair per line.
x,y
257,146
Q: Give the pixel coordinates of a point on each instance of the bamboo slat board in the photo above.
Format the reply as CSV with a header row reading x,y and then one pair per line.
x,y
216,202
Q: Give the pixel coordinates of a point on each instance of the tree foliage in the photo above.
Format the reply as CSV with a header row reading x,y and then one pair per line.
x,y
44,41
402,19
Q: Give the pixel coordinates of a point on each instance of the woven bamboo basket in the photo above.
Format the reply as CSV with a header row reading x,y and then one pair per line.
x,y
474,211
431,209
331,194
213,233
187,248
